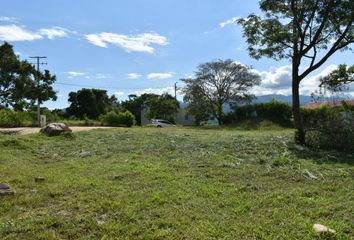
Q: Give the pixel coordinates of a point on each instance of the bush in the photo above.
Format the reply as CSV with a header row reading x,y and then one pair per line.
x,y
275,111
126,119
10,118
329,128
88,122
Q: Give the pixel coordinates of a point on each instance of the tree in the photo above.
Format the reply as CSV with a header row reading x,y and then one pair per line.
x,y
162,106
42,90
299,30
18,85
89,102
338,79
157,106
197,104
220,82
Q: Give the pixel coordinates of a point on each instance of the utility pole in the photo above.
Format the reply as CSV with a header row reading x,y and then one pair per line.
x,y
38,80
176,90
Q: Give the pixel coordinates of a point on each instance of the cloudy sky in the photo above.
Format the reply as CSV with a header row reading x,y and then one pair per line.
x,y
139,46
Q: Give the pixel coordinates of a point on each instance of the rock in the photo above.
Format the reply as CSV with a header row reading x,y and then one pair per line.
x,y
54,129
5,190
39,179
321,229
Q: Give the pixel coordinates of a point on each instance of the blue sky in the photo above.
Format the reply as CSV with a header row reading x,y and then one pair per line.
x,y
139,46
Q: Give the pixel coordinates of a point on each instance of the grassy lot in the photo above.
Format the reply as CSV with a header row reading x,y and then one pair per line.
x,y
183,183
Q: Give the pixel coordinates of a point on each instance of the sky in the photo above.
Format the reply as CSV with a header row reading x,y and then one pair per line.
x,y
140,46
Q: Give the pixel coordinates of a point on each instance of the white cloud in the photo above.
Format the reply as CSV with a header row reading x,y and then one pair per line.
x,y
102,76
158,91
229,21
277,77
278,81
133,75
96,40
54,32
160,76
310,84
136,43
8,19
119,93
13,33
73,74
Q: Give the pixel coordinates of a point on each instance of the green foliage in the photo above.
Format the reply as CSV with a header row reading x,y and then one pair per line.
x,y
217,83
125,119
329,128
299,30
180,183
156,106
51,116
90,103
20,83
10,118
88,122
275,111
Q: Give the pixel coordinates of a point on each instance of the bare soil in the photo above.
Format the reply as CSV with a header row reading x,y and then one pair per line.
x,y
32,130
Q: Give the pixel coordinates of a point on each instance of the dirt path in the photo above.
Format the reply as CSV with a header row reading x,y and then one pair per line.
x,y
29,130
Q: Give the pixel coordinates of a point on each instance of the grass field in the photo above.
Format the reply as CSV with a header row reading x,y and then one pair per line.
x,y
183,183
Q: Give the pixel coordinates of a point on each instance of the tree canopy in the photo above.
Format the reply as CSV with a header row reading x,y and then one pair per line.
x,y
339,79
19,87
156,106
306,31
90,103
217,83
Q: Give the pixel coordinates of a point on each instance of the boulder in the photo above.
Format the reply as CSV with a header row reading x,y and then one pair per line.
x,y
54,129
5,190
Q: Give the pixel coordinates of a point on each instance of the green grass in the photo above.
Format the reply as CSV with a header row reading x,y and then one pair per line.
x,y
182,183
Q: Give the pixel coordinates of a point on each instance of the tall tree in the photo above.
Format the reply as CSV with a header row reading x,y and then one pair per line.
x,y
220,82
18,85
299,30
89,102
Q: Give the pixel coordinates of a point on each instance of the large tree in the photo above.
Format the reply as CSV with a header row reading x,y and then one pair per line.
x,y
90,103
300,30
156,106
20,84
220,82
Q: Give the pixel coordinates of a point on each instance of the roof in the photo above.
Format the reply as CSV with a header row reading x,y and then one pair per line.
x,y
334,104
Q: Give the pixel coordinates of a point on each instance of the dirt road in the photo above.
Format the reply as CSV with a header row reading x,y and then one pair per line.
x,y
29,130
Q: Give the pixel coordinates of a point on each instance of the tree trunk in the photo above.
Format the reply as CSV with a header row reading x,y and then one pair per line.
x,y
299,130
220,113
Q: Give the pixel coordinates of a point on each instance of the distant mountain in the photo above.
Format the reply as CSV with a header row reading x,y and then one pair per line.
x,y
283,98
266,98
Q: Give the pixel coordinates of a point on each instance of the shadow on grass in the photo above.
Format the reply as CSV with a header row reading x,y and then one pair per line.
x,y
321,156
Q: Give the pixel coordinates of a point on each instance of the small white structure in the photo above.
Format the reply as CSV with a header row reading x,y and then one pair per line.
x,y
43,120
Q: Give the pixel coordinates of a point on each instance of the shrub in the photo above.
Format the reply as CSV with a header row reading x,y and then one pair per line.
x,y
10,118
275,111
329,128
88,122
126,119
